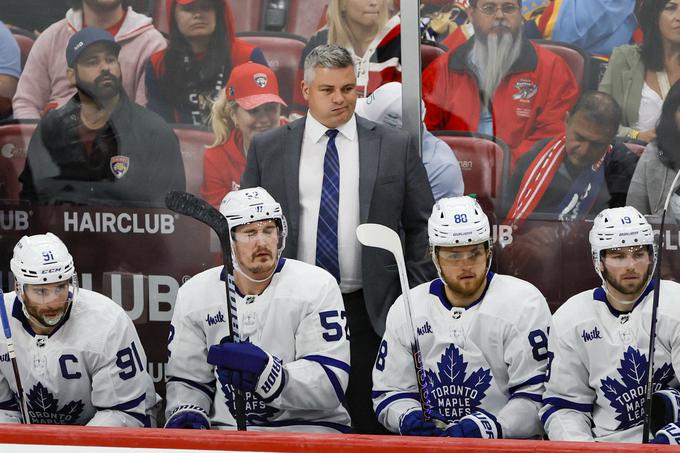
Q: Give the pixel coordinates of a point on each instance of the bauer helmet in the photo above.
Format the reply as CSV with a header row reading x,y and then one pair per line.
x,y
457,222
43,259
620,227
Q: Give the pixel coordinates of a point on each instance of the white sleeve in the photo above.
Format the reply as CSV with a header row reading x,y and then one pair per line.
x,y
568,399
120,382
318,378
526,354
9,408
190,379
395,390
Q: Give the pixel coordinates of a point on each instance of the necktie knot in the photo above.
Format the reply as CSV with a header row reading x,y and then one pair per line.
x,y
331,133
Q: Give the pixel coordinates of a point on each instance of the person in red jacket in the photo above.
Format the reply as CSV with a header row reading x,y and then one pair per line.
x,y
250,104
499,83
183,80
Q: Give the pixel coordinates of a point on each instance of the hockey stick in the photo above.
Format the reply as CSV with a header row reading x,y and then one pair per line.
x,y
380,236
198,209
652,329
13,357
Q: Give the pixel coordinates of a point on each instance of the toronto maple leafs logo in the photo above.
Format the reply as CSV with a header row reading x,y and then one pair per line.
x,y
627,396
43,408
451,393
257,412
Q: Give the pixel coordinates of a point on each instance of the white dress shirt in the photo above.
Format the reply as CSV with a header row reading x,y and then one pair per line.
x,y
312,156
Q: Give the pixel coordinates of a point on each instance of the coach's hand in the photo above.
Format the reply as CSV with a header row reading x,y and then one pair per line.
x,y
249,368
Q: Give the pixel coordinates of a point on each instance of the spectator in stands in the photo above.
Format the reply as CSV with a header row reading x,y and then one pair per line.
x,y
185,79
659,162
639,76
43,83
100,148
577,173
365,29
10,69
332,170
250,105
442,167
499,83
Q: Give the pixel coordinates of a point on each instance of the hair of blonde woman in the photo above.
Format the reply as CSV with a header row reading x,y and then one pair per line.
x,y
222,119
338,31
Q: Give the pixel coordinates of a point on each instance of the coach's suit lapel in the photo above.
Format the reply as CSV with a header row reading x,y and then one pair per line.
x,y
292,148
369,156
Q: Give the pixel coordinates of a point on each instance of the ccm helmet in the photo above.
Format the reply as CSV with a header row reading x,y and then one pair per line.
x,y
620,227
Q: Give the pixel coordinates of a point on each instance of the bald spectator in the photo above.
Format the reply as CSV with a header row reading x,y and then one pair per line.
x,y
43,84
499,83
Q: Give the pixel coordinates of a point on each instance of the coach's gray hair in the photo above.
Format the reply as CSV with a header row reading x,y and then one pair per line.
x,y
326,56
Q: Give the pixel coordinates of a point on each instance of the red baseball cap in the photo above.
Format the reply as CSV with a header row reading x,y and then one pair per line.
x,y
251,85
184,2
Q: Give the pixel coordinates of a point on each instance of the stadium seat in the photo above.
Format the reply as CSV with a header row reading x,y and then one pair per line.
x,y
25,43
14,140
247,14
304,16
574,56
430,51
192,142
282,51
485,164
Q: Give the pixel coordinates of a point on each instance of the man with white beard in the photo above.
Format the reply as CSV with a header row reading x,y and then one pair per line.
x,y
499,83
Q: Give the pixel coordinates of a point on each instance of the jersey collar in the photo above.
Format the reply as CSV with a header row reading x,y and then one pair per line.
x,y
601,295
437,289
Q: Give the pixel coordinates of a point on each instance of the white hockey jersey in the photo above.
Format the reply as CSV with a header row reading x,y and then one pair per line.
x,y
299,318
598,365
491,355
90,370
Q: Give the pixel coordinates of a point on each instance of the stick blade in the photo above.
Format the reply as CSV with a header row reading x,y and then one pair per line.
x,y
380,236
190,205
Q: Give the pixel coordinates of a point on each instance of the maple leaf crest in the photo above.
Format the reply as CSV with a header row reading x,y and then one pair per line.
x,y
626,396
453,393
43,408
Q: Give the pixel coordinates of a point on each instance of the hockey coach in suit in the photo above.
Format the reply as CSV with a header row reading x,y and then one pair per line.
x,y
331,171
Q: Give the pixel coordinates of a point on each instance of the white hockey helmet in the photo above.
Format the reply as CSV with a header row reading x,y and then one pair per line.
x,y
456,222
41,259
620,227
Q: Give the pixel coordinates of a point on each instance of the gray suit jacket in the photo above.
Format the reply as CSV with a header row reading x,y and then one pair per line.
x,y
393,191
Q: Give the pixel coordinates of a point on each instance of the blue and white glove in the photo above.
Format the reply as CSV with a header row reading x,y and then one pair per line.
x,y
188,417
412,424
479,424
665,408
247,367
669,434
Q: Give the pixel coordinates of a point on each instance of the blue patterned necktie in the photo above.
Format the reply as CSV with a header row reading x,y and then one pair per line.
x,y
327,229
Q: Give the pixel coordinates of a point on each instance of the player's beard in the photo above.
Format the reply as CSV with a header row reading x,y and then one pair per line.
x,y
47,321
258,268
97,90
467,289
627,289
494,55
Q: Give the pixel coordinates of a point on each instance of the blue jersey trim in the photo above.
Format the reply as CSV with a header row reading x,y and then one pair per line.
x,y
561,403
209,391
376,394
130,404
329,361
437,289
546,415
9,405
529,396
145,420
397,396
601,295
344,429
538,379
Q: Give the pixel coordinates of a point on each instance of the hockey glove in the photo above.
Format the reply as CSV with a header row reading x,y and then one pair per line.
x,y
249,368
188,417
412,424
479,424
665,408
669,434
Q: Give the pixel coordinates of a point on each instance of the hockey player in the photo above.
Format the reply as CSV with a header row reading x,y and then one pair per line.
x,y
596,380
293,359
483,338
79,357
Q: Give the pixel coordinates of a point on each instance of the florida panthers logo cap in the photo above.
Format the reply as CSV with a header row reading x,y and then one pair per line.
x,y
251,85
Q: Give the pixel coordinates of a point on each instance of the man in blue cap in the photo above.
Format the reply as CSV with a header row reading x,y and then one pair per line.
x,y
100,148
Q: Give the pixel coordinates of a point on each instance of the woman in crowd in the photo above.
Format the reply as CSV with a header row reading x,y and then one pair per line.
x,y
250,104
365,29
659,162
639,76
183,80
